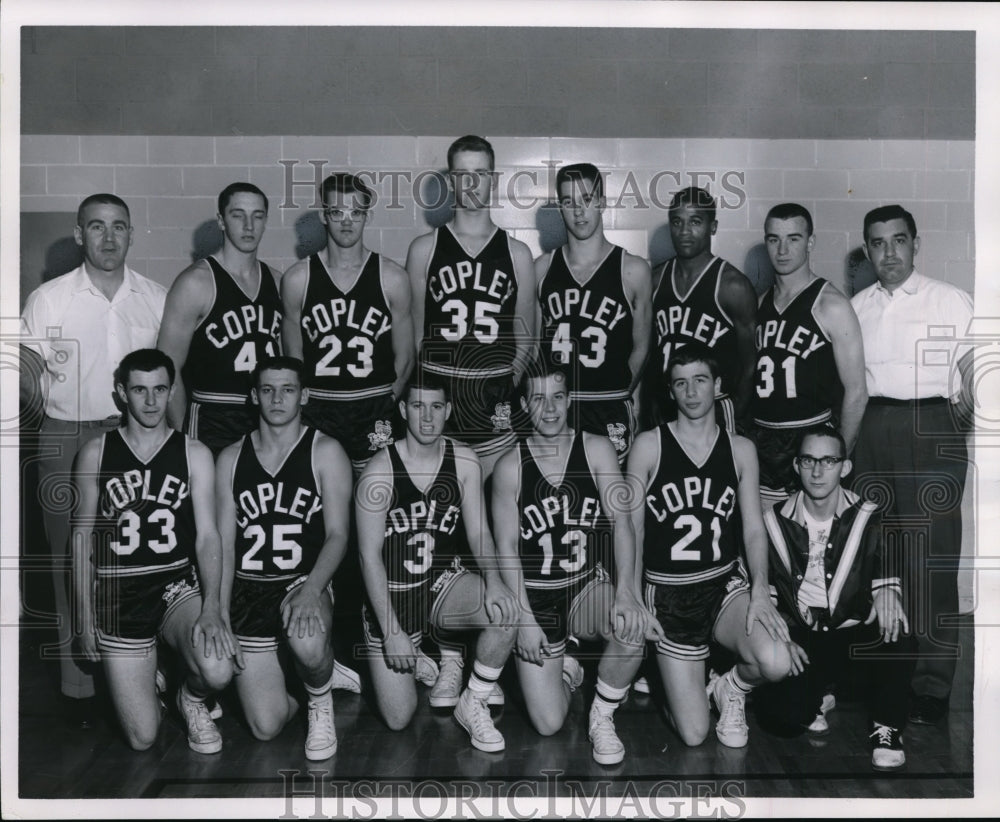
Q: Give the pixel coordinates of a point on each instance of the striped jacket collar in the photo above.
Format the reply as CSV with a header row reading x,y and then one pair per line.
x,y
794,507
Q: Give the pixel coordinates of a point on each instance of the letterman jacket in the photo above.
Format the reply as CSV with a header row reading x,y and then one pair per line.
x,y
855,565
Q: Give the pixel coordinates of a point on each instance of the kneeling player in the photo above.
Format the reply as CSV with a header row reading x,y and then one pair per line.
x,y
413,501
145,507
692,477
284,495
553,497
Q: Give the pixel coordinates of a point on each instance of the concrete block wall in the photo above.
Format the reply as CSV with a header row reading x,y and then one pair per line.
x,y
171,183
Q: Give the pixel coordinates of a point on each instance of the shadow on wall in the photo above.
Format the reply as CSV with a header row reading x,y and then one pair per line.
x,y
436,199
310,234
758,269
206,240
859,272
661,247
551,227
61,257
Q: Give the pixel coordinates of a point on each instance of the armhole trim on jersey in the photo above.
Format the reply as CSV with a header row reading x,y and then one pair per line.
x,y
732,456
427,265
239,453
305,288
215,291
621,278
381,280
665,275
718,288
659,457
544,277
814,308
313,462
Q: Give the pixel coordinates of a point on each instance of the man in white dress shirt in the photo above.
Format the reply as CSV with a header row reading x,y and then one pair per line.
x,y
75,330
912,442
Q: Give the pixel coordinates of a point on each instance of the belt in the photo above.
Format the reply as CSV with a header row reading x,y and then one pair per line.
x,y
917,403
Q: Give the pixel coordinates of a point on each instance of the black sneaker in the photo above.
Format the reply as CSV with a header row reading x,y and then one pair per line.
x,y
887,748
927,710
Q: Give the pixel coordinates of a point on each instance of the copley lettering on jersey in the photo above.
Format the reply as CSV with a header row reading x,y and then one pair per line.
x,y
249,319
466,275
676,320
776,334
343,313
120,492
696,493
537,519
572,302
422,516
270,497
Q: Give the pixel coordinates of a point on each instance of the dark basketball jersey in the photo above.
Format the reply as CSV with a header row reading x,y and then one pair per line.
x,y
347,335
563,529
588,326
688,533
698,316
279,516
235,334
469,307
423,529
797,382
145,519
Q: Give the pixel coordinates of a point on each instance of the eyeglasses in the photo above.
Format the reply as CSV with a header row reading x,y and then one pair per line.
x,y
806,461
338,214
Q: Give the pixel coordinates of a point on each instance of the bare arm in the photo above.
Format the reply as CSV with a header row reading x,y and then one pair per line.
x,y
371,504
761,609
85,480
188,302
532,645
417,259
738,299
838,320
293,293
641,459
225,508
210,628
541,267
397,292
501,604
302,612
639,291
525,322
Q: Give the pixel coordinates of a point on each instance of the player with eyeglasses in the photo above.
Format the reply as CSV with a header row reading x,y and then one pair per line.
x,y
838,587
347,316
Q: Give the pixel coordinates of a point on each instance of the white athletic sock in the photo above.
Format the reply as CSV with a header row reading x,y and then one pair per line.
x,y
738,683
482,679
322,690
608,698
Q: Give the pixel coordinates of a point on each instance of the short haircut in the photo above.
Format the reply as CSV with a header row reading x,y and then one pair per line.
x,y
238,188
697,198
789,211
890,212
538,369
580,171
343,182
692,352
101,199
471,142
145,360
282,363
822,429
422,380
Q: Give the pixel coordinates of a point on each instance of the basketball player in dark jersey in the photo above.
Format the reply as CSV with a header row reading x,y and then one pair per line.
x,y
222,315
473,306
690,478
414,500
554,514
146,528
347,316
698,296
810,358
283,495
594,310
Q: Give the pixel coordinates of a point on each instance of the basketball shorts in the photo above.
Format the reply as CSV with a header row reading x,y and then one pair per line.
x,y
416,608
775,453
132,610
362,426
688,613
255,610
485,413
614,419
555,609
218,424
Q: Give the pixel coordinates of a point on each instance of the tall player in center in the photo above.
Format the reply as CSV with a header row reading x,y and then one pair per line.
x,y
595,310
473,305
